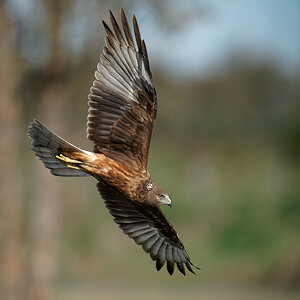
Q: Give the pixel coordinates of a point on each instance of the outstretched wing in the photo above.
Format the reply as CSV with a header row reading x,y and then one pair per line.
x,y
148,227
122,99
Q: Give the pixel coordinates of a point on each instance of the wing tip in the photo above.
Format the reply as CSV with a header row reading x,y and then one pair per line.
x,y
159,264
122,12
170,267
107,29
198,268
137,33
180,266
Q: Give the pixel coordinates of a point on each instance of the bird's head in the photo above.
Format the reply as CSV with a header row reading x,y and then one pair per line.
x,y
157,196
164,199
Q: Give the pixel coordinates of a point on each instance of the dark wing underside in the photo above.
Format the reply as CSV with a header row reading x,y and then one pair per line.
x,y
122,99
148,227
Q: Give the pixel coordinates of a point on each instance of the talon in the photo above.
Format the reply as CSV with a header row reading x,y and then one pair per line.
x,y
67,159
73,167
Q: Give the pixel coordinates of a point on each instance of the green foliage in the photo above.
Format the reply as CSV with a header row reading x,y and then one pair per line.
x,y
289,209
246,232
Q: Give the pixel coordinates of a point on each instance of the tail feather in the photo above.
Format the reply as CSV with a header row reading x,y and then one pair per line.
x,y
47,145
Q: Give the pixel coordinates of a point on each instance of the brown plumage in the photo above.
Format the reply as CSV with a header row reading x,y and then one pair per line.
x,y
122,111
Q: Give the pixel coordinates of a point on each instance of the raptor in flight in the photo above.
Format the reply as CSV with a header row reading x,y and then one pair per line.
x,y
122,111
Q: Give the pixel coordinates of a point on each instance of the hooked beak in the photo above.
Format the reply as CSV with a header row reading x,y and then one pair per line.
x,y
169,202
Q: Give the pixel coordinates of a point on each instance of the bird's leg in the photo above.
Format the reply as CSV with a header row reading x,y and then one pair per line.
x,y
70,163
67,159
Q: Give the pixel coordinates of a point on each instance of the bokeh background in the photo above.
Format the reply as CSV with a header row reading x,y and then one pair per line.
x,y
225,146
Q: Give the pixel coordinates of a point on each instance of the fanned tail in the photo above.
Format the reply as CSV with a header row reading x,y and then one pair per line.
x,y
48,147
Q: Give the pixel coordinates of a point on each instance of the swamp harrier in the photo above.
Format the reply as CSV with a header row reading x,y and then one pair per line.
x,y
122,111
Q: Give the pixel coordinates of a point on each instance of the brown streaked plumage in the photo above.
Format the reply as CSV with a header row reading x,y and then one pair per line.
x,y
122,111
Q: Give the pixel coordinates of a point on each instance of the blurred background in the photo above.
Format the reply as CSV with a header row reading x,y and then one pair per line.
x,y
225,147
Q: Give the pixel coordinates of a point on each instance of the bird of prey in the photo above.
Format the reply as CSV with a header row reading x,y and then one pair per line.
x,y
122,110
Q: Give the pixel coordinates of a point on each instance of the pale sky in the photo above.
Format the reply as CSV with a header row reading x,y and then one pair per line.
x,y
264,30
269,30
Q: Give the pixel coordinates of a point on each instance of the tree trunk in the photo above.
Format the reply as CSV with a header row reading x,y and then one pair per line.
x,y
46,215
11,201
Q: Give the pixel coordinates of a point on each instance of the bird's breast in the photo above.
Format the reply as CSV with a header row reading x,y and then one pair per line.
x,y
125,178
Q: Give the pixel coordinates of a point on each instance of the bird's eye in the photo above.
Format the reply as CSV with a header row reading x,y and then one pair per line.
x,y
161,196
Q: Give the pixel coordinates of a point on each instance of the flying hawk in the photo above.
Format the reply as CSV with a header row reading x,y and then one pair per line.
x,y
122,111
